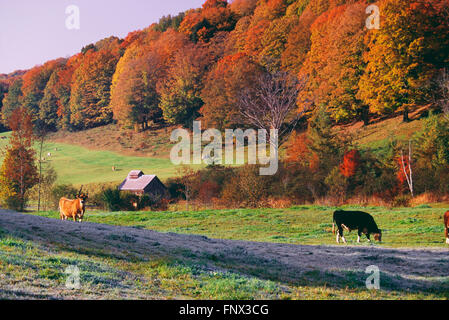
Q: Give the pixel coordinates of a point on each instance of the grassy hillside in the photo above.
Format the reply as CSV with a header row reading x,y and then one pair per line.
x,y
78,165
405,227
88,156
377,136
151,143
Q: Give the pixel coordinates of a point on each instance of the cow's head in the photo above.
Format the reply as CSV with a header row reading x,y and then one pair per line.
x,y
378,235
82,198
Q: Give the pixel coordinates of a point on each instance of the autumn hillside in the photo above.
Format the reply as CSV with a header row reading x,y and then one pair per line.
x,y
358,83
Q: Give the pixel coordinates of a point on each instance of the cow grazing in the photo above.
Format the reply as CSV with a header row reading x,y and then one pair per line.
x,y
355,220
446,226
73,209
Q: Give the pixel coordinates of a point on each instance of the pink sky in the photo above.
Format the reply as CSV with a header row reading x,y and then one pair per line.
x,y
32,32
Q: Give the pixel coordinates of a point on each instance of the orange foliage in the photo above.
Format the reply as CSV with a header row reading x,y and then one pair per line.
x,y
243,7
333,63
297,149
222,86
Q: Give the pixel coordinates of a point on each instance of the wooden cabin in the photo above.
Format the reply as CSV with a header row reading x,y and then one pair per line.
x,y
140,184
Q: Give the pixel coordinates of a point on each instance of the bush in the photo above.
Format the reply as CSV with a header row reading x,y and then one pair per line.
x,y
112,199
246,188
401,201
337,184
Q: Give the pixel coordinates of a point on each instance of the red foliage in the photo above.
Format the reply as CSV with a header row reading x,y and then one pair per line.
x,y
21,125
208,191
351,162
402,179
297,149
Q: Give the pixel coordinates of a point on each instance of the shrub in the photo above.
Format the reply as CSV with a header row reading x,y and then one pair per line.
x,y
112,199
246,188
401,201
337,184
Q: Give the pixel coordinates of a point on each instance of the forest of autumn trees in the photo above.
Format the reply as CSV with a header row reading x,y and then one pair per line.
x,y
222,62
195,65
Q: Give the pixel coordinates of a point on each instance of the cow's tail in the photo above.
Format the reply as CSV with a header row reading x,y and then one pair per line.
x,y
333,227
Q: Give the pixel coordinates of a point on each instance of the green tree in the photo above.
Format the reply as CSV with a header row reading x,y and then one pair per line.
x,y
327,145
48,106
12,101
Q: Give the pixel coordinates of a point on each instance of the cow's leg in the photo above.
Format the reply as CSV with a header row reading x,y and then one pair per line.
x,y
74,218
367,235
359,234
340,233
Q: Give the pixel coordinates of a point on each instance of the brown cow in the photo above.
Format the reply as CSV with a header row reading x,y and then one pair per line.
x,y
446,226
73,209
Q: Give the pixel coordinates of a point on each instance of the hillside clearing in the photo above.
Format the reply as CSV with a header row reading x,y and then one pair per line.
x,y
78,165
88,156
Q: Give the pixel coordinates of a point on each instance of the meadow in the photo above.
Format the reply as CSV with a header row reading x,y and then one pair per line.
x,y
30,270
420,226
35,269
78,165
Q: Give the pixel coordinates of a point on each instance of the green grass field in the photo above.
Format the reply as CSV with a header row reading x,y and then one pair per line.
x,y
35,271
27,267
312,225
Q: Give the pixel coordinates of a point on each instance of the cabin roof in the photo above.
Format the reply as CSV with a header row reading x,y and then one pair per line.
x,y
136,181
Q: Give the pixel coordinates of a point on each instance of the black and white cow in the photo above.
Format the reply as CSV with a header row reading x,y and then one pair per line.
x,y
355,220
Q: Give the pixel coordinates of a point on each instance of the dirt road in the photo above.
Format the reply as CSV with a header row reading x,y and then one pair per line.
x,y
401,269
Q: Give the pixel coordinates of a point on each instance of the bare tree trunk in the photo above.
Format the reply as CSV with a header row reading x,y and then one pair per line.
x,y
409,175
187,197
40,175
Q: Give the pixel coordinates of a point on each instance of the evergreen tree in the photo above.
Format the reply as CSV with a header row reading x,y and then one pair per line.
x,y
12,101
